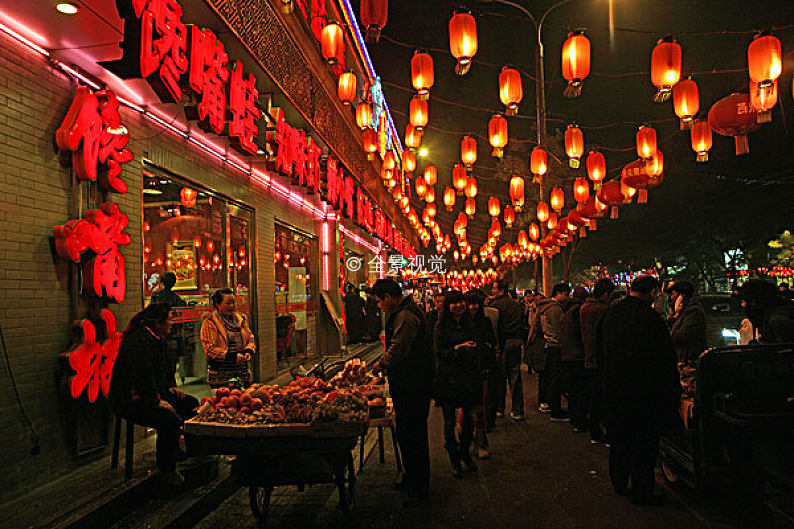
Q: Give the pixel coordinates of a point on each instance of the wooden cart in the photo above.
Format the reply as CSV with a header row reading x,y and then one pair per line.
x,y
270,456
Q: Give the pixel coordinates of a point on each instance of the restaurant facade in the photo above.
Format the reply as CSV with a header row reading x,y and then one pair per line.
x,y
201,138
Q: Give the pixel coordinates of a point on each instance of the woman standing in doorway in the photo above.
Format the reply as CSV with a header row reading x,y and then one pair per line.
x,y
228,341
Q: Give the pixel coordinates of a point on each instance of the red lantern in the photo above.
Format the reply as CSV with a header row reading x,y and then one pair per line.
x,y
575,62
430,196
332,41
686,101
409,161
449,198
543,212
511,91
187,197
494,207
364,115
646,142
534,231
418,113
346,87
552,222
497,134
430,209
374,14
523,240
196,242
734,116
539,162
370,143
574,145
471,187
596,167
655,167
642,175
471,207
510,216
610,194
459,178
468,151
496,228
517,192
581,189
763,98
701,139
413,137
462,40
764,59
421,187
431,175
665,67
422,74
389,161
557,199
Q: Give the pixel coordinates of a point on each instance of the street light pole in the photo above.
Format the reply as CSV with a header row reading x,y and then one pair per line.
x,y
540,112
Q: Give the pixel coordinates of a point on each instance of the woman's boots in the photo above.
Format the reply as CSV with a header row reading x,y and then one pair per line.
x,y
454,460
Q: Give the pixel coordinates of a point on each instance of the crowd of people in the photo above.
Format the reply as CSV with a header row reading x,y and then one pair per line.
x,y
612,355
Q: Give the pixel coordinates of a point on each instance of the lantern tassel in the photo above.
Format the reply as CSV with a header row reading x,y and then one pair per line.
x,y
497,152
573,90
702,157
372,35
764,117
462,67
662,95
742,145
642,197
614,212
573,163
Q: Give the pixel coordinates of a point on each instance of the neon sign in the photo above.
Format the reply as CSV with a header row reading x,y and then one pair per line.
x,y
93,361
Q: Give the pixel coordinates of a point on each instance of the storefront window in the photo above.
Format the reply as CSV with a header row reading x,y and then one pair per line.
x,y
296,295
203,240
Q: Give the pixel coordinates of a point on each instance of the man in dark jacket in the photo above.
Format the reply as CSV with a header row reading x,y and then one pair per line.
x,y
590,318
408,362
354,314
572,354
769,313
433,316
511,338
641,389
549,322
688,330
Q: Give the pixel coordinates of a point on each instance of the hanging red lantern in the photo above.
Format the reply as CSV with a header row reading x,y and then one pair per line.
x,y
574,145
665,67
575,62
418,113
389,162
413,137
655,167
496,228
462,40
511,90
430,209
332,41
764,59
449,198
701,139
543,211
523,240
468,151
539,162
471,207
581,189
459,178
734,116
346,87
610,195
510,216
596,167
552,222
497,134
409,161
187,197
364,115
431,175
763,98
374,14
370,143
627,191
471,187
494,208
422,74
557,199
396,194
646,141
534,231
517,192
430,196
196,242
686,101
642,175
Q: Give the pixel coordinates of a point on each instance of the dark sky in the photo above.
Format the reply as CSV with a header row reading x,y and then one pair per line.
x,y
754,190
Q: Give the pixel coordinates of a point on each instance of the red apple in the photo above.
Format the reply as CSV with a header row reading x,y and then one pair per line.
x,y
256,404
233,402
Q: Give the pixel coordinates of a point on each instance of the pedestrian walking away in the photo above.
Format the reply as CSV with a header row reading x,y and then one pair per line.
x,y
511,337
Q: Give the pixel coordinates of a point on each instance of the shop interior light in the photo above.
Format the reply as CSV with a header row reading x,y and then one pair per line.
x,y
67,8
151,187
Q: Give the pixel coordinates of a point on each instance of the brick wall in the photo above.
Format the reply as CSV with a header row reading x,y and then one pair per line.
x,y
35,304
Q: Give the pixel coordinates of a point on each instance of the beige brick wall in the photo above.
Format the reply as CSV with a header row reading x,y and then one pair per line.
x,y
35,304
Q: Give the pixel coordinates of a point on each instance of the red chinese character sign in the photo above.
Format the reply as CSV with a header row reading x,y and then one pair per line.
x,y
93,361
93,131
101,231
243,97
207,78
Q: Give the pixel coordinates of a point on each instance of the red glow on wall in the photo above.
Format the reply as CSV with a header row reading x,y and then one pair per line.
x,y
93,361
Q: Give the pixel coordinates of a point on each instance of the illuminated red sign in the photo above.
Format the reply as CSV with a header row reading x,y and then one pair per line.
x,y
93,131
101,231
207,77
333,182
243,96
93,361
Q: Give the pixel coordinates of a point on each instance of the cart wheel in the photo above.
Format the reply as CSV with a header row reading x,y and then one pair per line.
x,y
259,498
669,472
347,486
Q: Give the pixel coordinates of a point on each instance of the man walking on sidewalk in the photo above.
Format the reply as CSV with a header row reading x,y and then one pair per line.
x,y
590,319
511,337
549,322
642,390
410,367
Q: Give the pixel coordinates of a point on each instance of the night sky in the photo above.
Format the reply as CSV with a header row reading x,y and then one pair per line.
x,y
749,196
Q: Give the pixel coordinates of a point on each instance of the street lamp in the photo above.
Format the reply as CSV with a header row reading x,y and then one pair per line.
x,y
540,107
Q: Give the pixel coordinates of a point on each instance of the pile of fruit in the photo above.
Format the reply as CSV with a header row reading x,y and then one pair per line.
x,y
354,373
342,406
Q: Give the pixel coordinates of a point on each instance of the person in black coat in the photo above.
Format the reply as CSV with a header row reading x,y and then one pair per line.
x,y
372,317
143,389
641,389
487,344
459,379
354,314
